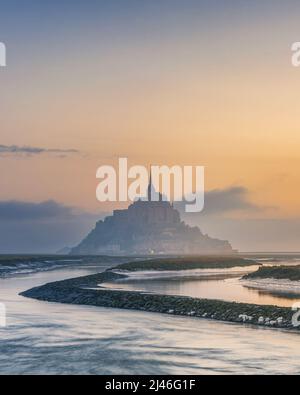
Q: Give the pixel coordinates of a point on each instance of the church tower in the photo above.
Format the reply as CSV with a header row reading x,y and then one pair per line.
x,y
151,188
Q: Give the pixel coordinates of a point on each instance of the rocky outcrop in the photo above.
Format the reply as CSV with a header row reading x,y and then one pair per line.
x,y
149,228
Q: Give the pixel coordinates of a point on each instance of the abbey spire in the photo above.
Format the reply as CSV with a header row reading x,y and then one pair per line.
x,y
150,186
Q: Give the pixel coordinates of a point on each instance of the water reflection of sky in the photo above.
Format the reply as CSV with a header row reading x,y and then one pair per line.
x,y
72,339
212,285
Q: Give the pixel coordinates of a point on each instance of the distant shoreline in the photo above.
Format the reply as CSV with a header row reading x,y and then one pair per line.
x,y
186,263
86,291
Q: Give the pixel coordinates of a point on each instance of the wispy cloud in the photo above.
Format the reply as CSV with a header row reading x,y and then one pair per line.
x,y
30,151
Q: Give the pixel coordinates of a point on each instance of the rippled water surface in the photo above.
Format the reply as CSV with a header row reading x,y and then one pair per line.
x,y
60,339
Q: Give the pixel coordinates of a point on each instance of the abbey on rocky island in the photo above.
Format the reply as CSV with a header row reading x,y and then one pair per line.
x,y
148,227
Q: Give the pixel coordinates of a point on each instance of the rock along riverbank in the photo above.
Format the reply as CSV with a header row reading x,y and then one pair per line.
x,y
87,291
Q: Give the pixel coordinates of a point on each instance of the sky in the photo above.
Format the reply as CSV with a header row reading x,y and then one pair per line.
x,y
193,82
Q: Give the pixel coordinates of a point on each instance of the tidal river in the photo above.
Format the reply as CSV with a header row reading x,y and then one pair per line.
x,y
45,338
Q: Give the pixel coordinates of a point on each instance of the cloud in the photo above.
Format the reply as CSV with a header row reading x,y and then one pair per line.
x,y
246,233
24,211
256,234
45,236
220,201
30,151
46,227
229,199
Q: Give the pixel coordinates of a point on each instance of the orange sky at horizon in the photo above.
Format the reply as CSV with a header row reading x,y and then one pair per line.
x,y
225,98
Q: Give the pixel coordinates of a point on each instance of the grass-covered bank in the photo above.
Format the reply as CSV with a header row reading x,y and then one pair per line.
x,y
81,291
291,273
186,263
